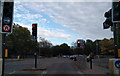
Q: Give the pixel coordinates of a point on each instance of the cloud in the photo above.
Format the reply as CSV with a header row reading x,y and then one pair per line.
x,y
42,32
24,15
52,34
84,18
65,0
43,20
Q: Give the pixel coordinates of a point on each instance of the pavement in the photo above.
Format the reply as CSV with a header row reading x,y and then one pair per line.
x,y
86,70
63,66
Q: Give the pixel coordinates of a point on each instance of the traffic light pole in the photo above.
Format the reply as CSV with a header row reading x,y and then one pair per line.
x,y
35,53
3,53
115,40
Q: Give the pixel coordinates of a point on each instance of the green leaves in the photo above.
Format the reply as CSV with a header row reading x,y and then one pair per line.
x,y
20,41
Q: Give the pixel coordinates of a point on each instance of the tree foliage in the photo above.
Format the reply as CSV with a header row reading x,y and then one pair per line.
x,y
19,42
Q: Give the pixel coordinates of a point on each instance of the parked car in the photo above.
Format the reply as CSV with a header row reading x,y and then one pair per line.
x,y
71,57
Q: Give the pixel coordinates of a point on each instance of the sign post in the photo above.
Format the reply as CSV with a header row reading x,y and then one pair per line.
x,y
3,52
6,27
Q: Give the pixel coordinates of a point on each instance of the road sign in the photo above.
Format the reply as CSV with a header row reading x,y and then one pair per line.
x,y
117,64
33,37
6,28
7,17
6,20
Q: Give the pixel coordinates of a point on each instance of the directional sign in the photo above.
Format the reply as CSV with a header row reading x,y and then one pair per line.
x,y
6,28
6,20
117,64
33,37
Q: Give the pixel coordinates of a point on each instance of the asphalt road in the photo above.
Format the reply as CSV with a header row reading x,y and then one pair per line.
x,y
12,66
52,65
64,67
15,65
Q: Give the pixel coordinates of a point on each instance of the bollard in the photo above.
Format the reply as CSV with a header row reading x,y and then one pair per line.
x,y
75,59
90,63
18,57
114,65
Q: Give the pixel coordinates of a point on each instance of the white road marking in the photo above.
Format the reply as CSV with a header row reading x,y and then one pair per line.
x,y
44,72
12,72
80,72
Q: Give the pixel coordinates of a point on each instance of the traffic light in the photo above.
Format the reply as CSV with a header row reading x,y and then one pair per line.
x,y
116,12
108,21
7,17
34,31
78,43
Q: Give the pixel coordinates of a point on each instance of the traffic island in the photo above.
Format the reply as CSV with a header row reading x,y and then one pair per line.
x,y
114,65
28,72
35,69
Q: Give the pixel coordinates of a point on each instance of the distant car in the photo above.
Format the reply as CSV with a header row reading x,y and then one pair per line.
x,y
64,56
80,55
88,58
71,57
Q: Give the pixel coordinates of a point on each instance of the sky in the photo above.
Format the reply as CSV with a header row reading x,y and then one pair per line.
x,y
64,22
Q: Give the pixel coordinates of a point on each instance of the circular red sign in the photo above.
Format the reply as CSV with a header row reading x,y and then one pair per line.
x,y
6,27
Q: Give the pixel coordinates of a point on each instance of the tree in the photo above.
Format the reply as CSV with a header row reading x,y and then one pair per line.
x,y
88,46
56,50
19,42
64,49
60,50
106,45
45,47
96,45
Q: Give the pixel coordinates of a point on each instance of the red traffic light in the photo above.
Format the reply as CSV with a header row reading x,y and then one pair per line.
x,y
34,31
78,41
8,0
33,25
